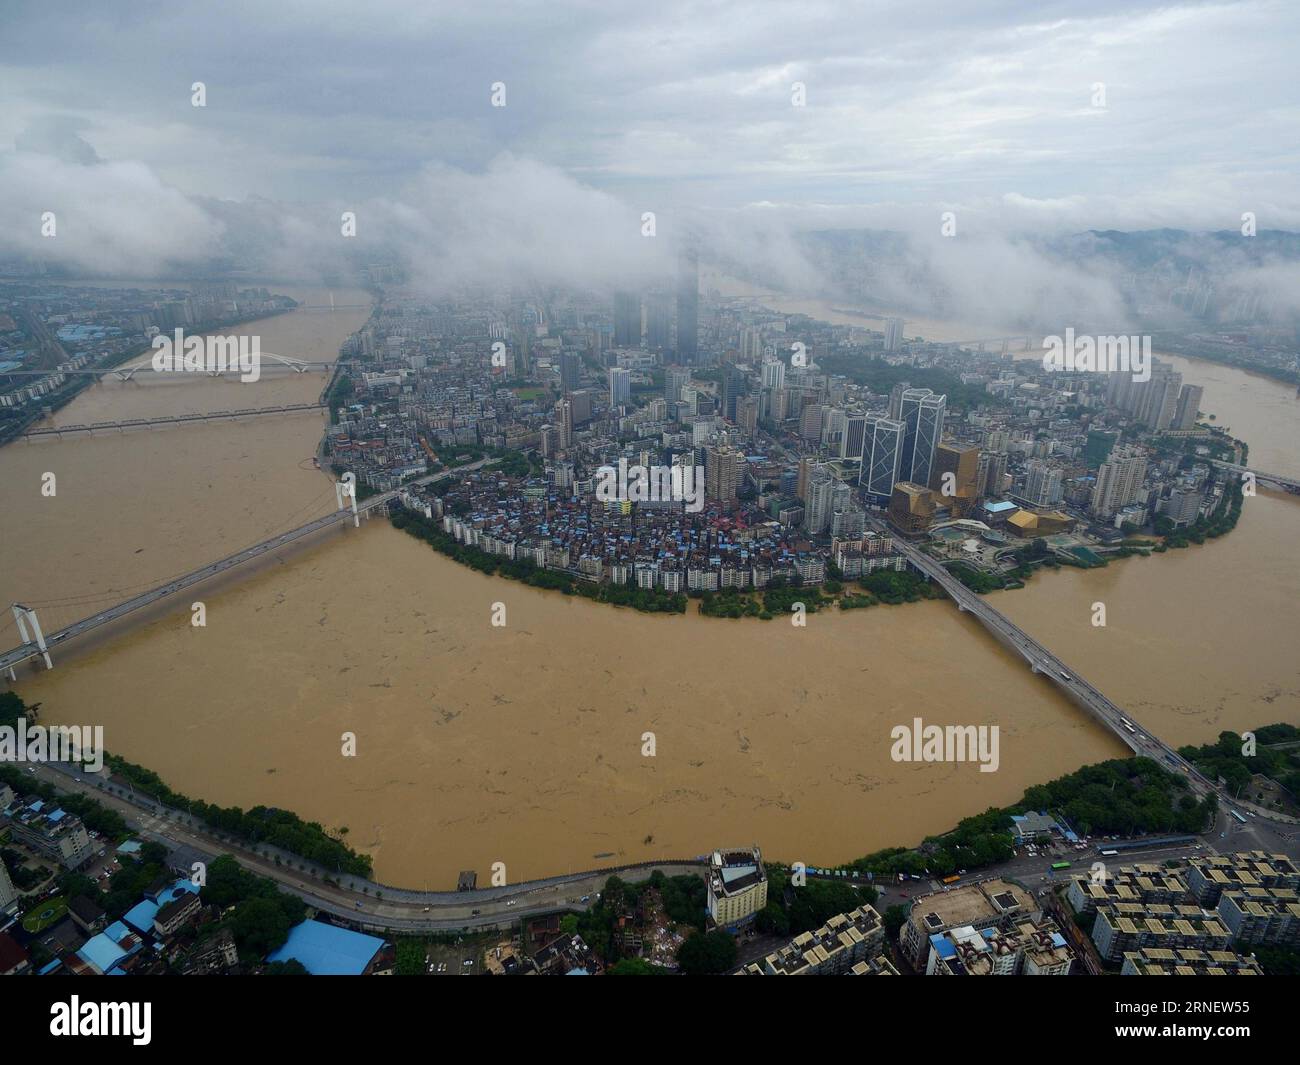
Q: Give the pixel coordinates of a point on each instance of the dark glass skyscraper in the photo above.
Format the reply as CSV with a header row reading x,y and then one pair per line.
x,y
921,411
570,370
658,322
688,307
734,385
882,457
627,320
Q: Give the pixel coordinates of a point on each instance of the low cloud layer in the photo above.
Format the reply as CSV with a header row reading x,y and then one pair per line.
x,y
1029,128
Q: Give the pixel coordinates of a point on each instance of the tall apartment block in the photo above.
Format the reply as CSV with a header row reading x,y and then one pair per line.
x,y
737,886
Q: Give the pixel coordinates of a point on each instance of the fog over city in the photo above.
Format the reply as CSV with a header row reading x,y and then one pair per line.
x,y
1028,128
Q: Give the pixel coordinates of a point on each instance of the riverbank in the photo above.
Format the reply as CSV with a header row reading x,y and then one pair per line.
x,y
57,400
779,599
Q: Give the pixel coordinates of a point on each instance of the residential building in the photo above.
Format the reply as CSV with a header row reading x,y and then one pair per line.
x,y
1189,403
992,903
893,334
50,831
834,949
620,387
1126,926
1158,961
1025,948
1143,883
737,887
1209,875
1042,484
723,466
8,893
1119,481
1269,915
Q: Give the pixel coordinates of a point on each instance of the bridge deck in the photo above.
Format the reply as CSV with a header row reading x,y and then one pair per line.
x,y
175,419
1041,660
25,651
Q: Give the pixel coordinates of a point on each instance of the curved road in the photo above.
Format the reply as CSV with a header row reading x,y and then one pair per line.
x,y
399,910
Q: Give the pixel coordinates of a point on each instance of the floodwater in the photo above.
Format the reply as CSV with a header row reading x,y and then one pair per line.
x,y
524,743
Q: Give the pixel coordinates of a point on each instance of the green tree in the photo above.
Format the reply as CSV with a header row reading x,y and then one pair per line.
x,y
259,926
707,952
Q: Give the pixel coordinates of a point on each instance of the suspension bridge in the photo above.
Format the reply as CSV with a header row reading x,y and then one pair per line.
x,y
35,644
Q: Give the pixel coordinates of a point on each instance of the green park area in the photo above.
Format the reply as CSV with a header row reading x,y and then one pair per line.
x,y
44,914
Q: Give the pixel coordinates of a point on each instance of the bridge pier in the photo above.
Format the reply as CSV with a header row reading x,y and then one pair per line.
x,y
347,489
22,615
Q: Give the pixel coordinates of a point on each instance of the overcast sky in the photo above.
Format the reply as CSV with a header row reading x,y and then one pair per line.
x,y
913,108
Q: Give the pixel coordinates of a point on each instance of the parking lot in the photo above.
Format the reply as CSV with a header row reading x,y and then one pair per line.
x,y
445,959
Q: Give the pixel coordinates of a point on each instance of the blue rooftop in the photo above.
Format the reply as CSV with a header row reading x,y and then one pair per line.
x,y
105,951
327,950
141,915
943,946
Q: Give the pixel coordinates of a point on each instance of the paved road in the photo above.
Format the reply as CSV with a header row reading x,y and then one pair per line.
x,y
1225,837
398,910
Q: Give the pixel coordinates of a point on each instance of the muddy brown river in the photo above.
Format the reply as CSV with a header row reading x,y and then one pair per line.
x,y
523,743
